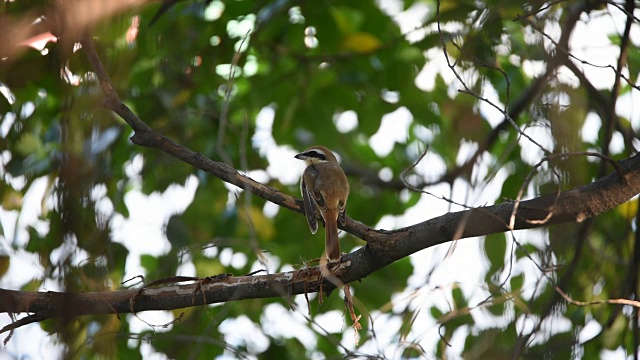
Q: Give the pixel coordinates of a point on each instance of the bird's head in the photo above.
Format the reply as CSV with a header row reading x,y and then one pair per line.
x,y
316,154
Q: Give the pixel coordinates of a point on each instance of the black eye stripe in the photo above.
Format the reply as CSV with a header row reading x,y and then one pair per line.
x,y
317,155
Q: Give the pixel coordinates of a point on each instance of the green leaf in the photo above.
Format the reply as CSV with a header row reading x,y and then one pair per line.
x,y
150,263
495,247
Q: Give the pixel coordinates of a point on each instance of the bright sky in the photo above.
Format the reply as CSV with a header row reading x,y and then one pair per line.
x,y
142,232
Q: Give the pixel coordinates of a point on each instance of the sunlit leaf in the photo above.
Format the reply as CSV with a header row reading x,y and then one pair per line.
x,y
360,42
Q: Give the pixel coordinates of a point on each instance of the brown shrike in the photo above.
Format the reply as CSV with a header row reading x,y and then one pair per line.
x,y
324,189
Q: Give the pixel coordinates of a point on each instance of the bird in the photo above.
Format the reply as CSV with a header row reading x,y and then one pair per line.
x,y
325,189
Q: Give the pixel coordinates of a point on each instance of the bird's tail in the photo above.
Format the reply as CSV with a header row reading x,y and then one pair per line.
x,y
331,241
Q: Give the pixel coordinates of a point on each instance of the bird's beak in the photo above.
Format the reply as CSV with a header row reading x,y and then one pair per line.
x,y
300,157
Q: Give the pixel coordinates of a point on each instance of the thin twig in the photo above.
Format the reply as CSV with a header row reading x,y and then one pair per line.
x,y
568,53
625,11
468,91
535,12
612,116
568,298
224,111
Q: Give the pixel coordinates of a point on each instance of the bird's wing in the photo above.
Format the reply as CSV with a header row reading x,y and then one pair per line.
x,y
342,213
310,207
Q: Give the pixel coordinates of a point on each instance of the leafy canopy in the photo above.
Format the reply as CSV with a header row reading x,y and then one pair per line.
x,y
249,83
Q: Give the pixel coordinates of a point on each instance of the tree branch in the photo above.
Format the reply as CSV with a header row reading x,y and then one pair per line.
x,y
612,117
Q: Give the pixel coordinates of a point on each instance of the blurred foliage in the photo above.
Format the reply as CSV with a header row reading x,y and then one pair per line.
x,y
203,70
